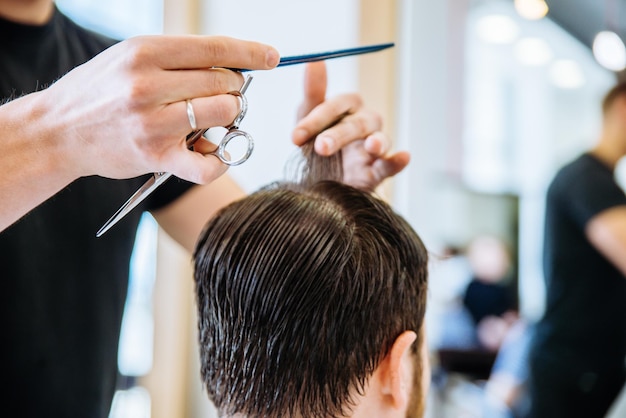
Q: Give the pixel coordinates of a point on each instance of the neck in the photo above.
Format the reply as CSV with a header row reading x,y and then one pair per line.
x,y
610,149
31,12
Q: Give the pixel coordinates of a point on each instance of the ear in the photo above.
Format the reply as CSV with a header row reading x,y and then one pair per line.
x,y
396,372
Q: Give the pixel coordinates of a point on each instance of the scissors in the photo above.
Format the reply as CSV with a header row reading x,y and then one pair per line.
x,y
157,179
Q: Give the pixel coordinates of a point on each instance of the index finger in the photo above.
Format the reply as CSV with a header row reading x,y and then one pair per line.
x,y
315,84
196,51
324,116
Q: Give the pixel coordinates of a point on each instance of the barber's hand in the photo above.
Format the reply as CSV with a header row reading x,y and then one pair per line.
x,y
124,113
343,123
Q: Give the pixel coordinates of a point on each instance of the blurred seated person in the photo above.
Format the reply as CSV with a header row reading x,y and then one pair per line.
x,y
506,389
483,307
491,342
489,297
311,298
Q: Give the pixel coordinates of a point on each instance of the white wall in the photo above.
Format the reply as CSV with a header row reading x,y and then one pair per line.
x,y
429,108
294,27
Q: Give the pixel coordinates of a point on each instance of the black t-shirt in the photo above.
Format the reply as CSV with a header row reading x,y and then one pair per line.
x,y
483,299
62,289
585,317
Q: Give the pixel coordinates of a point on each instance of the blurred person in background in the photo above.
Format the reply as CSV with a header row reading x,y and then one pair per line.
x,y
579,346
478,315
489,298
483,339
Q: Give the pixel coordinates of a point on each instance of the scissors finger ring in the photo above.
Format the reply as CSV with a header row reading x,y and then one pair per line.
x,y
234,132
222,154
158,179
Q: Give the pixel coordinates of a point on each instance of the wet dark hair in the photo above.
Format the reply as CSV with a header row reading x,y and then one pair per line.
x,y
302,289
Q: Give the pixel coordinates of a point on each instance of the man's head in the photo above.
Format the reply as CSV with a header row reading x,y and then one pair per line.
x,y
613,139
311,303
618,92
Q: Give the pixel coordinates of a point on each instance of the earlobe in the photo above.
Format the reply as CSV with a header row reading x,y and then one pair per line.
x,y
396,372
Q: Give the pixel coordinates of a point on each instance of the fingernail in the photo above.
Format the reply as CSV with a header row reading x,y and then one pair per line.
x,y
372,144
272,58
328,143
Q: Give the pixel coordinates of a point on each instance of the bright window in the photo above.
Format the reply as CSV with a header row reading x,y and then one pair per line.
x,y
118,19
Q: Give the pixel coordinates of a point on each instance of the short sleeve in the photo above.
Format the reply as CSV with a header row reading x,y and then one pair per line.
x,y
586,189
167,193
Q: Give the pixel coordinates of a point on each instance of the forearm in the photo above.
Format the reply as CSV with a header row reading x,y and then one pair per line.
x,y
33,168
122,114
185,218
607,233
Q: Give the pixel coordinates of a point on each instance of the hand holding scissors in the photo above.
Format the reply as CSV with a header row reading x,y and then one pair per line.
x,y
159,178
220,152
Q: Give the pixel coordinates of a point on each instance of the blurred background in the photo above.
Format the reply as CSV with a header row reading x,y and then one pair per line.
x,y
491,97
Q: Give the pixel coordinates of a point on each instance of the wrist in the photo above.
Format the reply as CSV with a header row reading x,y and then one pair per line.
x,y
31,159
41,142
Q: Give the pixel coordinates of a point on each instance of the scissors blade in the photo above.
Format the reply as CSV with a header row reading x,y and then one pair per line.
x,y
144,191
157,179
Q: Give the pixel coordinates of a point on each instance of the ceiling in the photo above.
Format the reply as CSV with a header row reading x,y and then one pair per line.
x,y
585,18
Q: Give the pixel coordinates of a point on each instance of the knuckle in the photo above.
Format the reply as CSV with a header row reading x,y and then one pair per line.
x,y
217,47
349,103
220,81
358,100
139,91
227,109
377,120
253,56
336,107
139,51
137,87
368,121
361,125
